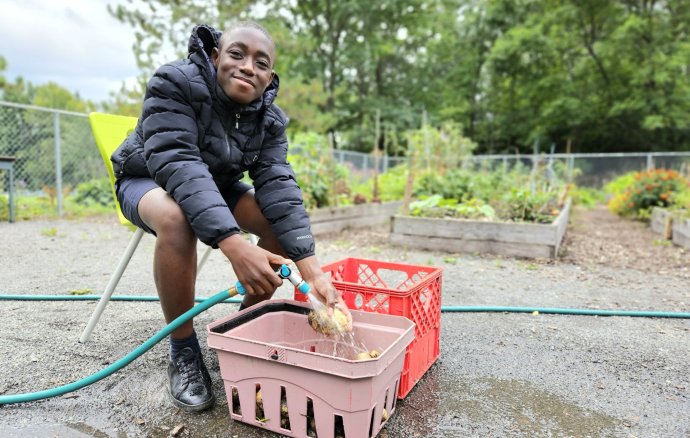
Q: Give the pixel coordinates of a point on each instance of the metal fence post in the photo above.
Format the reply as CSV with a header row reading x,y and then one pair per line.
x,y
571,167
58,162
650,162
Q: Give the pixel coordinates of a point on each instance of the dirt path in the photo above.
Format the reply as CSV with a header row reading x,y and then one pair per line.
x,y
598,237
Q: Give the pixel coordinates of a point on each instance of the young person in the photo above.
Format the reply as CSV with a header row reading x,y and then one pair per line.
x,y
205,121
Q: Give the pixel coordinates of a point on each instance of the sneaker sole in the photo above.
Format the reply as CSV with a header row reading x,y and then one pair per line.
x,y
192,408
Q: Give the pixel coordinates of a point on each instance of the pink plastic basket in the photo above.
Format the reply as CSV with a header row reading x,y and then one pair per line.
x,y
305,389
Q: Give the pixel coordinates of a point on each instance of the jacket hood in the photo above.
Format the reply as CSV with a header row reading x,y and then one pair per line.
x,y
201,43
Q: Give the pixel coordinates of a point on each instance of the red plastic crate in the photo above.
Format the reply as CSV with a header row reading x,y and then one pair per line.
x,y
397,289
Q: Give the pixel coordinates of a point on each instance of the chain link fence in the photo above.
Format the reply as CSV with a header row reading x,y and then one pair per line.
x,y
587,170
55,152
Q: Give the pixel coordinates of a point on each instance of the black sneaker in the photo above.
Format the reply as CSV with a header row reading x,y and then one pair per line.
x,y
190,383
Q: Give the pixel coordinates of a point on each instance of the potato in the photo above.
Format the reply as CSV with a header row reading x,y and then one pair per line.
x,y
340,320
323,323
363,356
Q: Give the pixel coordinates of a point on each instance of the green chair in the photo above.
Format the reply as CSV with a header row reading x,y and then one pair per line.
x,y
109,131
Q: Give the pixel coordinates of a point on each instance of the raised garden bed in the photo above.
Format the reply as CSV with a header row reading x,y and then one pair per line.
x,y
469,236
332,220
661,222
681,231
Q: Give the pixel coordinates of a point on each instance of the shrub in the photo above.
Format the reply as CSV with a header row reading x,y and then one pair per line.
x,y
651,188
95,192
391,185
317,174
522,205
4,208
620,184
463,185
586,196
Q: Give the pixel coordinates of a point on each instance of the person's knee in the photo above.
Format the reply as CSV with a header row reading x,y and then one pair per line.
x,y
173,223
164,216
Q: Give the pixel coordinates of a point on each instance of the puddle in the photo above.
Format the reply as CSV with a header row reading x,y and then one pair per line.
x,y
72,430
490,406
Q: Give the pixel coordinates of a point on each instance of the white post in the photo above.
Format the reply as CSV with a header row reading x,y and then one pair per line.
x,y
58,162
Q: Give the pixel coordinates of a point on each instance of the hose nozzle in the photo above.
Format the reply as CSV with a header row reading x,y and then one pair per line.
x,y
286,273
283,272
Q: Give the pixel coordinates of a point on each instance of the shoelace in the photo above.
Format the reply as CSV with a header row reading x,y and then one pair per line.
x,y
190,370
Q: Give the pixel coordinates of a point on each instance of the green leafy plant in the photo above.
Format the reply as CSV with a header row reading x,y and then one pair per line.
x,y
437,206
391,185
95,192
681,202
4,208
323,182
521,205
620,184
586,196
49,232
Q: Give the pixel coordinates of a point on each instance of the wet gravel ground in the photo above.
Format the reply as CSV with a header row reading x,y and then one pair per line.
x,y
498,374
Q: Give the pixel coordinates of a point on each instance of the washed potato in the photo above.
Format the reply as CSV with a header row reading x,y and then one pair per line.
x,y
323,323
363,356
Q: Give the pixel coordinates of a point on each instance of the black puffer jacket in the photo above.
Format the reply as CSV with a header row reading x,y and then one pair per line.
x,y
194,141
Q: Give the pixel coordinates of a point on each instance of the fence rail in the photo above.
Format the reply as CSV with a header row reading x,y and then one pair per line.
x,y
55,151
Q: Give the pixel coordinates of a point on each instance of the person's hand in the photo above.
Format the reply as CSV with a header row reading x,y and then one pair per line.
x,y
252,265
324,291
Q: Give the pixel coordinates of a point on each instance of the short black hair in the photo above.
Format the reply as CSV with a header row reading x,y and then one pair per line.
x,y
244,24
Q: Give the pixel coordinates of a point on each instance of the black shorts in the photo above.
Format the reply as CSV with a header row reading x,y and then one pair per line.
x,y
130,190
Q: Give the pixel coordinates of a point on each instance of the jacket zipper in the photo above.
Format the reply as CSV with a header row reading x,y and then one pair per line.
x,y
237,120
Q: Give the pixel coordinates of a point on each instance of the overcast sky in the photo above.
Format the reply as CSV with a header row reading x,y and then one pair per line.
x,y
75,43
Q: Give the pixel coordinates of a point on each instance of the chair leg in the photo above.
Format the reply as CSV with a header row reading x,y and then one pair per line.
x,y
114,279
203,259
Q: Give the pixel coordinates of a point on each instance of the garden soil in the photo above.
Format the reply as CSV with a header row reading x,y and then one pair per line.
x,y
499,374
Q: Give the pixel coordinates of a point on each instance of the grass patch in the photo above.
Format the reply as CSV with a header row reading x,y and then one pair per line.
x,y
34,207
49,232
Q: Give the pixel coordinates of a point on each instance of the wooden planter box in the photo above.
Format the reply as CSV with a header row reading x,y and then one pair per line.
x,y
503,238
661,222
332,220
681,231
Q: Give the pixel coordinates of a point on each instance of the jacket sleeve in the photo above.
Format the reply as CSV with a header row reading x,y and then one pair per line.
x,y
174,160
279,196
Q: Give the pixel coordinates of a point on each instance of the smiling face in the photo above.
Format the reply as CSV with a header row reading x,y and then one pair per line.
x,y
244,63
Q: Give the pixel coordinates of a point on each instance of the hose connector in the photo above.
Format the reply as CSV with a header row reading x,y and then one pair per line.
x,y
240,289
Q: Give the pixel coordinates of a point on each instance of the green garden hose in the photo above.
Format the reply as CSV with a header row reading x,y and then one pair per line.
x,y
562,311
123,362
448,309
224,297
